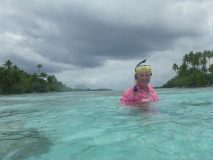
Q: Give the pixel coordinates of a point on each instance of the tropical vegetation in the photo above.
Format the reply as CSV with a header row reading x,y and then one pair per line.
x,y
13,80
196,70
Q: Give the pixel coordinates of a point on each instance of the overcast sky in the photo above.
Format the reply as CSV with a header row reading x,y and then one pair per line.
x,y
99,42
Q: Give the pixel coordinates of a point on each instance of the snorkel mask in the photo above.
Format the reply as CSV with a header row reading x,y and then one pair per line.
x,y
145,67
139,68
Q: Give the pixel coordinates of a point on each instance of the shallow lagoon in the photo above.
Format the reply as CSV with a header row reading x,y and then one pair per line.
x,y
92,125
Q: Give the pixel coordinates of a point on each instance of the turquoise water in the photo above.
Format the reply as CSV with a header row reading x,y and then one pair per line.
x,y
92,125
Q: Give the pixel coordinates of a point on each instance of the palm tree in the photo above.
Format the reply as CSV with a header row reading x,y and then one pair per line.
x,y
209,55
8,64
5,77
182,71
190,56
211,69
51,79
203,62
186,58
15,67
191,80
39,66
34,77
43,74
201,80
195,59
175,67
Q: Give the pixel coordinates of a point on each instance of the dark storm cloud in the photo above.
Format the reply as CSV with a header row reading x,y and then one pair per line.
x,y
68,34
88,39
30,66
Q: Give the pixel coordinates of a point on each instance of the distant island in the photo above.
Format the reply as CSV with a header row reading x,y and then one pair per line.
x,y
196,70
81,86
13,80
84,88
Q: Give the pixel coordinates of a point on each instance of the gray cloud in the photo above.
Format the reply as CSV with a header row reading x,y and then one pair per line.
x,y
63,35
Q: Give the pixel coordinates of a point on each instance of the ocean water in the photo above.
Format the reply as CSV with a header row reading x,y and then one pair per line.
x,y
93,126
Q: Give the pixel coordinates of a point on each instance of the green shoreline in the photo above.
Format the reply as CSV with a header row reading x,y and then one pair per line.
x,y
13,80
196,70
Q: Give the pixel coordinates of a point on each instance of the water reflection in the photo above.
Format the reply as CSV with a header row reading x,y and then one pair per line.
x,y
135,110
18,143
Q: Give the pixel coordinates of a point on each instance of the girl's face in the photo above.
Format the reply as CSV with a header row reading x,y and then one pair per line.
x,y
143,78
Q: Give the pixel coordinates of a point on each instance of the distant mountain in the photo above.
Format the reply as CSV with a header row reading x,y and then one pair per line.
x,y
80,86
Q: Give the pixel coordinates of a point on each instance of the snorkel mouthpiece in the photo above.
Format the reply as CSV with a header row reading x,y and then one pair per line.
x,y
135,89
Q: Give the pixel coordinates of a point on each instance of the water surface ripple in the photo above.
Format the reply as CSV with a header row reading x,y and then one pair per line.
x,y
92,125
